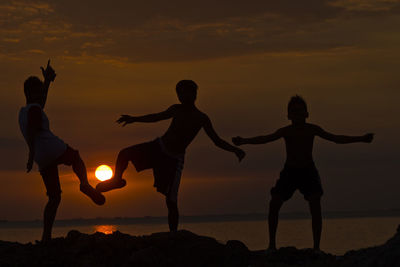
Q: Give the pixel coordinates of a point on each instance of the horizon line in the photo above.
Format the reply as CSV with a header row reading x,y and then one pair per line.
x,y
206,218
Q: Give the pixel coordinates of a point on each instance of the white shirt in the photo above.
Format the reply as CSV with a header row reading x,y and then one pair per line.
x,y
48,147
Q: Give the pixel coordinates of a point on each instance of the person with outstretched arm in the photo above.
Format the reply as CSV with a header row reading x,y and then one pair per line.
x,y
48,150
165,155
299,171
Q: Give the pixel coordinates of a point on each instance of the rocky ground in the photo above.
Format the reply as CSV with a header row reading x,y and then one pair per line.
x,y
180,249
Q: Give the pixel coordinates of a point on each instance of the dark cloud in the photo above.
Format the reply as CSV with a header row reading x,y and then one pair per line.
x,y
180,30
130,14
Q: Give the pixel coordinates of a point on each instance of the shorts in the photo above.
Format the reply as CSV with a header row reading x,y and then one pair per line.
x,y
50,173
305,179
167,168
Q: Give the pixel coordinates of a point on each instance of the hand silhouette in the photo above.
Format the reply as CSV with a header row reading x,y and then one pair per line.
x,y
125,119
237,140
48,74
368,137
240,154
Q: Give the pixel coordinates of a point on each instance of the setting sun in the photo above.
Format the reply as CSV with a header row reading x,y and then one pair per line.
x,y
103,172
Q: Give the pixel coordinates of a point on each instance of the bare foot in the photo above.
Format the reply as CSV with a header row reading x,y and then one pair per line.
x,y
110,184
94,195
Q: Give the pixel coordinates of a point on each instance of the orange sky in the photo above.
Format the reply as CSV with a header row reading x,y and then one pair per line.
x,y
248,59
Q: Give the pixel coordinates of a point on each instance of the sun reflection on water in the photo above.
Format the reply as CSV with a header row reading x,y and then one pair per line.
x,y
105,229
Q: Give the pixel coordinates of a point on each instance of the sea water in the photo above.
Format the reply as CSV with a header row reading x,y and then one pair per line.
x,y
338,236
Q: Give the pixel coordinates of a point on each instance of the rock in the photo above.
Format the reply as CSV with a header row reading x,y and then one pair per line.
x,y
290,256
147,257
386,255
236,254
181,249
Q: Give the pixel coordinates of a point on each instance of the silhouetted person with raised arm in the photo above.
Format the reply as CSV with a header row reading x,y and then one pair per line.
x,y
49,151
299,171
165,155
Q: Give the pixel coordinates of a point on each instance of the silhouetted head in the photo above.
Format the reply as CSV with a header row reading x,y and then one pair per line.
x,y
297,109
33,89
186,91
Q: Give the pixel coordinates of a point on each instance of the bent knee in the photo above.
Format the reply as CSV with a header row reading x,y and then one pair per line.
x,y
75,155
124,153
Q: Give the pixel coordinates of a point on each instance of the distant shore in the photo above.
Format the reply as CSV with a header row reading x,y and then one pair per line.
x,y
199,218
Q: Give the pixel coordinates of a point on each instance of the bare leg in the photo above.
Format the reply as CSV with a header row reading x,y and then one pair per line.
x,y
79,168
274,206
315,209
122,163
173,215
49,216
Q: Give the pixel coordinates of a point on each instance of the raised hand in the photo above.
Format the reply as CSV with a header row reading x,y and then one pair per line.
x,y
368,137
237,140
240,154
48,74
125,119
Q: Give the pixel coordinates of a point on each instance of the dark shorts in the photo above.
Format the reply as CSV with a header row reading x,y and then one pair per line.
x,y
167,169
50,174
306,179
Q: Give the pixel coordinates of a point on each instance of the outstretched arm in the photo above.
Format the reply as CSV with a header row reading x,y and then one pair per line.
x,y
167,114
49,75
344,139
258,139
209,129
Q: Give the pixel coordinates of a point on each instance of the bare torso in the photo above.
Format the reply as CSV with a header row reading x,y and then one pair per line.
x,y
299,141
186,123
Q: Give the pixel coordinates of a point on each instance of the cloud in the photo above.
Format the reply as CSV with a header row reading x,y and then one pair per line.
x,y
366,5
12,40
184,31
